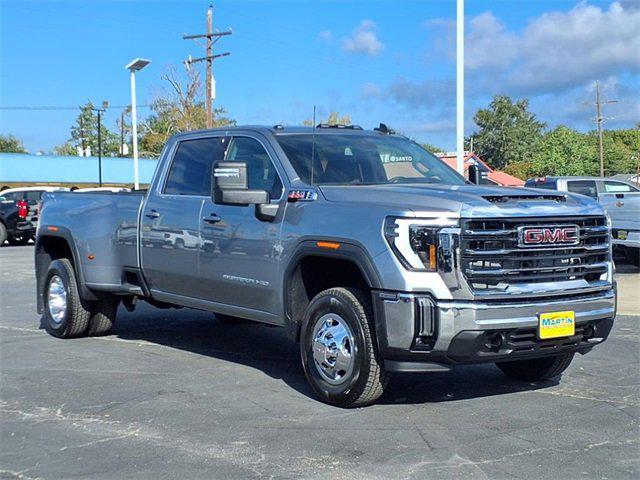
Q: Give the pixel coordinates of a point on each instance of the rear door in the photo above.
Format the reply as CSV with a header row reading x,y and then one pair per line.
x,y
170,222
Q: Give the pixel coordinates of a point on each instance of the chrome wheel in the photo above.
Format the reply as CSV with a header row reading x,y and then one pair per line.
x,y
334,348
57,299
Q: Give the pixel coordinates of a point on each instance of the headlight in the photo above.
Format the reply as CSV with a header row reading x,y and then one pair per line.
x,y
415,241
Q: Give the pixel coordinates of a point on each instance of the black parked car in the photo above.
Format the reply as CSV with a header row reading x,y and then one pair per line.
x,y
15,225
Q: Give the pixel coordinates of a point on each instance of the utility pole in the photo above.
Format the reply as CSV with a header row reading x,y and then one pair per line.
x,y
121,149
211,38
105,105
599,119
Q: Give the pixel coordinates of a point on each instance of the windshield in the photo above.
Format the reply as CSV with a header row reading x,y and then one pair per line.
x,y
343,159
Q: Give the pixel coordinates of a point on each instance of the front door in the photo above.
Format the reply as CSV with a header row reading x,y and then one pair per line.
x,y
170,227
240,255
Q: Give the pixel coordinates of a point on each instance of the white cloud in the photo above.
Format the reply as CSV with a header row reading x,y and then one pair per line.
x,y
369,90
556,51
363,40
325,35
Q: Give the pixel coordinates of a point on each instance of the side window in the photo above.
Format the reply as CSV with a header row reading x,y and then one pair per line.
x,y
10,197
33,196
190,171
260,169
618,187
583,187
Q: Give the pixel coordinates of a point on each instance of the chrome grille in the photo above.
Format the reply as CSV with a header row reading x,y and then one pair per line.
x,y
492,260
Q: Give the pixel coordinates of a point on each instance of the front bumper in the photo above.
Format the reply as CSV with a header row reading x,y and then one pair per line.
x,y
418,333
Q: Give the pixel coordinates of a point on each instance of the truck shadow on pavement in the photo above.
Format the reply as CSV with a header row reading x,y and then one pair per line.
x,y
269,350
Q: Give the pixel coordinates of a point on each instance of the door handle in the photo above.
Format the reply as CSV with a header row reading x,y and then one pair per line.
x,y
152,214
213,218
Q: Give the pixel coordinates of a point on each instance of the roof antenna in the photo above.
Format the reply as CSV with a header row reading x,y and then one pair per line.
x,y
313,143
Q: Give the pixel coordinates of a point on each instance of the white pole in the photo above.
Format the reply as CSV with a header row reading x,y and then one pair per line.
x,y
460,87
134,131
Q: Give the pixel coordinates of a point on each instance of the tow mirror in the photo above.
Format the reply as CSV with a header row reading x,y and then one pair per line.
x,y
230,186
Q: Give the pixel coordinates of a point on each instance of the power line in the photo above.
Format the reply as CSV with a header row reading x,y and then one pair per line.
x,y
66,108
211,38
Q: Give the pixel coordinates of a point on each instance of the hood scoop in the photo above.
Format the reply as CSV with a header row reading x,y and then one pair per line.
x,y
526,198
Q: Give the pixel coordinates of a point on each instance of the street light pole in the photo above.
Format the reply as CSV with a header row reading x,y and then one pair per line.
x,y
133,66
134,131
99,152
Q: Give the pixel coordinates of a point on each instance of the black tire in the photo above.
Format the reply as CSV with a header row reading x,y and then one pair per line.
x,y
367,380
3,234
103,317
78,312
538,368
22,239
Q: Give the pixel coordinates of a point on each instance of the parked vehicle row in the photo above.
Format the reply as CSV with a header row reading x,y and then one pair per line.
x,y
620,199
20,208
373,254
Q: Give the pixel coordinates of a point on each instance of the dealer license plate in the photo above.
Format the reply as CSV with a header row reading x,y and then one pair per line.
x,y
556,324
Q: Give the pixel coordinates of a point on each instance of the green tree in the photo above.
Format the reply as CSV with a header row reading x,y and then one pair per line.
x,y
334,118
182,109
432,148
11,144
84,134
621,150
562,151
507,131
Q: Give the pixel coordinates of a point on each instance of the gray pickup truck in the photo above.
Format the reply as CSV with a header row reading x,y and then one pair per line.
x,y
367,249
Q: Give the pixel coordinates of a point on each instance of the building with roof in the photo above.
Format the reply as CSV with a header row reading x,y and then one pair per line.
x,y
19,169
493,176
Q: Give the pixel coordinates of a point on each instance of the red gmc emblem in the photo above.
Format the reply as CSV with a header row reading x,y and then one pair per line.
x,y
541,236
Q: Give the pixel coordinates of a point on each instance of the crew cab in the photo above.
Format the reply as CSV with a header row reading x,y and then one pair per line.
x,y
364,247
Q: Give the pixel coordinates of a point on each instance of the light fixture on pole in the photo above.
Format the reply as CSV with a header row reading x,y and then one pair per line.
x,y
134,66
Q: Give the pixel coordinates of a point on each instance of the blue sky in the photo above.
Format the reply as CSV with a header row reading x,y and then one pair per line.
x,y
387,62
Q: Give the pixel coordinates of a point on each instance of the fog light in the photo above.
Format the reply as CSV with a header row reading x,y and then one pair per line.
x,y
589,332
494,342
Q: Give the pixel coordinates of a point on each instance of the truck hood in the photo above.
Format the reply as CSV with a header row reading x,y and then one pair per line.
x,y
466,201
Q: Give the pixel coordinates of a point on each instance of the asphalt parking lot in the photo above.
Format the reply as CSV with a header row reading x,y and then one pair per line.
x,y
176,394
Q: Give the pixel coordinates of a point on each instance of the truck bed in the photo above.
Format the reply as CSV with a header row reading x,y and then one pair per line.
x,y
105,232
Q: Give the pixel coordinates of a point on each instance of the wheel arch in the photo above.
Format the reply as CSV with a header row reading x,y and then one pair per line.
x,y
51,246
347,266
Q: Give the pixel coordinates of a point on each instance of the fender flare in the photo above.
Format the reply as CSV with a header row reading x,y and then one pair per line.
x,y
65,234
349,250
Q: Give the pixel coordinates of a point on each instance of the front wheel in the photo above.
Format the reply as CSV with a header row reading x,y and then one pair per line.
x,y
338,348
538,368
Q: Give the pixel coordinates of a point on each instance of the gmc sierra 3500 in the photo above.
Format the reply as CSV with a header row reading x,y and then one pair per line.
x,y
371,252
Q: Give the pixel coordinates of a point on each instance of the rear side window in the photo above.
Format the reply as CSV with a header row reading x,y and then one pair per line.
x,y
618,187
583,187
33,196
190,171
10,197
544,184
